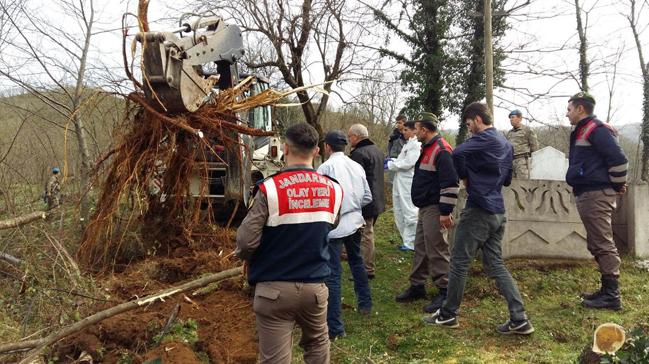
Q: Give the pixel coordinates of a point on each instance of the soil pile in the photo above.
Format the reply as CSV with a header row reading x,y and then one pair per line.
x,y
216,323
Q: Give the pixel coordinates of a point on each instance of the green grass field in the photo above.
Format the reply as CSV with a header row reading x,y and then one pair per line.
x,y
395,333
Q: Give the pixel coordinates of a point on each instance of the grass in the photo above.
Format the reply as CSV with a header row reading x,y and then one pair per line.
x,y
395,333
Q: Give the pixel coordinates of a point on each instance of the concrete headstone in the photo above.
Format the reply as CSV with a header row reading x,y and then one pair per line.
x,y
549,164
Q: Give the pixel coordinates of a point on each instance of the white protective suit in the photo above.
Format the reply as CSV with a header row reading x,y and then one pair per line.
x,y
405,213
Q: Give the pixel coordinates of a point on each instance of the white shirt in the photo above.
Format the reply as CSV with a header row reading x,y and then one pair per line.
x,y
356,192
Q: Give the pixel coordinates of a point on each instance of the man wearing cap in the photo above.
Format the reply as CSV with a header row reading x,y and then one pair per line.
x,y
53,189
523,138
351,177
403,167
283,240
597,172
370,157
435,187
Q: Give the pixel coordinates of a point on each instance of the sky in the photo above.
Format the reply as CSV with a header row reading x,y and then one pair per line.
x,y
538,30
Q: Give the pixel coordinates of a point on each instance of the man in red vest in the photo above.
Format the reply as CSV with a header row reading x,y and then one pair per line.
x,y
283,240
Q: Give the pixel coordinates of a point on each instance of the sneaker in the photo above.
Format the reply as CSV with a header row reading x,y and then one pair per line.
x,y
413,293
436,303
405,248
519,328
438,319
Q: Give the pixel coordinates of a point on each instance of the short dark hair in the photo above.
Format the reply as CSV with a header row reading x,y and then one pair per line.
x,y
401,117
589,107
409,124
478,109
427,124
337,147
302,138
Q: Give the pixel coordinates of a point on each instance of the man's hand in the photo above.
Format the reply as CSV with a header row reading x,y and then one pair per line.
x,y
445,221
622,190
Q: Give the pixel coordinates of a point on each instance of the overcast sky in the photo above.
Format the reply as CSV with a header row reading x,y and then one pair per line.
x,y
537,30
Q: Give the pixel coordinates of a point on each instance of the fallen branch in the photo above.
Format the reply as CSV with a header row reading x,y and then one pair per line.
x,y
39,345
10,258
22,220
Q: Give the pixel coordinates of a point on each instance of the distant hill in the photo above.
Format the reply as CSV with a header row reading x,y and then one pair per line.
x,y
630,131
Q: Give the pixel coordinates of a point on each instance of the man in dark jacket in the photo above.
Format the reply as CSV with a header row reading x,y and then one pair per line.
x,y
370,157
434,190
283,240
396,142
484,163
597,173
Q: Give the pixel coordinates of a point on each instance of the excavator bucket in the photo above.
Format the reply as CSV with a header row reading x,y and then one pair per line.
x,y
172,72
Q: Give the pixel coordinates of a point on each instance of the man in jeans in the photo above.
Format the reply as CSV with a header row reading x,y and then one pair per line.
x,y
356,190
484,163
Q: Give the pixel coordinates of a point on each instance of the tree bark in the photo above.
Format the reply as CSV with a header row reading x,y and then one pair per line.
x,y
583,49
39,345
22,220
82,139
644,67
488,55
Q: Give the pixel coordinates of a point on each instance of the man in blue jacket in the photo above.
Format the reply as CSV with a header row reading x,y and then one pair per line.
x,y
597,173
283,240
484,163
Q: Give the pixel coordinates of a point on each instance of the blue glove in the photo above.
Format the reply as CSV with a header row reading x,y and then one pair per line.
x,y
385,163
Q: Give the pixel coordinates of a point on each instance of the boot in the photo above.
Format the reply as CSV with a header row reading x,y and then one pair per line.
x,y
413,293
610,296
593,295
436,303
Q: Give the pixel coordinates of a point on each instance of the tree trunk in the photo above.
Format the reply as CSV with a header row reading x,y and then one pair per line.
x,y
488,56
82,139
644,174
583,49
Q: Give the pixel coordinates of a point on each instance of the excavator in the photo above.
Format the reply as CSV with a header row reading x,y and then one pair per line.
x,y
181,68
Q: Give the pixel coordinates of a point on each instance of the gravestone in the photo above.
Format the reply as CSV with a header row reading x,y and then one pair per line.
x,y
549,164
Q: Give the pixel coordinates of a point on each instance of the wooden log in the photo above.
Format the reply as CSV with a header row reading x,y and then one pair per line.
x,y
10,258
22,220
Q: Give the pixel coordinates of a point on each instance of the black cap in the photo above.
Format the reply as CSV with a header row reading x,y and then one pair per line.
x,y
335,137
515,112
582,96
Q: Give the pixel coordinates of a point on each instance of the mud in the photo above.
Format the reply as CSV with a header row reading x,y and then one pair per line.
x,y
226,323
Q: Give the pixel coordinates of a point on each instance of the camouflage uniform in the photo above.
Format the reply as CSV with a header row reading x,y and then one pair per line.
x,y
53,192
524,141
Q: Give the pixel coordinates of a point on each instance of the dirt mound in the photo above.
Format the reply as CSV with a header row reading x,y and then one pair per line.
x,y
173,352
222,322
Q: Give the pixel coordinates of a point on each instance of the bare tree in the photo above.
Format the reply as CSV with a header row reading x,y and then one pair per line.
x,y
56,78
313,42
632,17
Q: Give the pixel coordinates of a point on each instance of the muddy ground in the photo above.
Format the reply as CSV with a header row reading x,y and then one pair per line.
x,y
224,318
